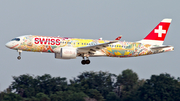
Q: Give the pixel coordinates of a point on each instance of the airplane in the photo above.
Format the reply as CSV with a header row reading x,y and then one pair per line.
x,y
70,48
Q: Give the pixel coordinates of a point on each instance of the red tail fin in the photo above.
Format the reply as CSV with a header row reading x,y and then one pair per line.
x,y
158,34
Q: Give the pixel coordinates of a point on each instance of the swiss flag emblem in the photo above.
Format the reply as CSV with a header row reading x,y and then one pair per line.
x,y
160,31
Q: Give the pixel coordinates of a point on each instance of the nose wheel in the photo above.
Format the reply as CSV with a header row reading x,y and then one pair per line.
x,y
87,61
19,57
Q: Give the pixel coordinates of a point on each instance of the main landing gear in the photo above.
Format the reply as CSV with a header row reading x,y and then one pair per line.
x,y
83,62
19,57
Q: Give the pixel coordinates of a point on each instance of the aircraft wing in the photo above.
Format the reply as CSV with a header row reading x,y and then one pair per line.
x,y
94,48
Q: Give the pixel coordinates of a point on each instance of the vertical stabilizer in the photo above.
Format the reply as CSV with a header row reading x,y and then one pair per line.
x,y
158,34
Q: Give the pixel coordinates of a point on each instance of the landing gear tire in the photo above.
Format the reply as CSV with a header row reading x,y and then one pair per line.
x,y
87,61
19,57
83,62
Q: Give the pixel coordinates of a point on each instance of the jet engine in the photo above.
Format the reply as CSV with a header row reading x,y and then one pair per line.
x,y
66,53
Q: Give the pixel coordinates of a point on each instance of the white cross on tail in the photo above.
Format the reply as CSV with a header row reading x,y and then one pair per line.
x,y
160,31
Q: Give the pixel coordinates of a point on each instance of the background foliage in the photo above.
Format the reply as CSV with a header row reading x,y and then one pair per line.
x,y
93,86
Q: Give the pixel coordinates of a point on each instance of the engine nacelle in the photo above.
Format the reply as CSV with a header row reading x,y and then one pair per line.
x,y
66,53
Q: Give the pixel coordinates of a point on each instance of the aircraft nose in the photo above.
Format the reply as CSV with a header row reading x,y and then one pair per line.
x,y
8,45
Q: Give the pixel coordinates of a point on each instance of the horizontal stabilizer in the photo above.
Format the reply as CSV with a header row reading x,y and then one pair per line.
x,y
160,47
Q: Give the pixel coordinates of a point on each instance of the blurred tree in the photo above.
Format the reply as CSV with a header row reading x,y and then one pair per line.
x,y
79,96
12,97
93,86
161,87
102,81
28,86
68,96
127,84
24,85
112,97
42,97
93,93
2,94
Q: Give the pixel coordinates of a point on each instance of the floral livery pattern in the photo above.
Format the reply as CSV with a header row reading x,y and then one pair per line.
x,y
119,49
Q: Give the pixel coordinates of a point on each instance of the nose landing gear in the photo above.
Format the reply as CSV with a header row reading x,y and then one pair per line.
x,y
19,57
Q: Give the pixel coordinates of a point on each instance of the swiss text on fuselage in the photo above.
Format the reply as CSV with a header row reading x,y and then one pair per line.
x,y
49,41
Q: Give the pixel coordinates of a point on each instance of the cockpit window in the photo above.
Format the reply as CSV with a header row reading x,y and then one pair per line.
x,y
16,39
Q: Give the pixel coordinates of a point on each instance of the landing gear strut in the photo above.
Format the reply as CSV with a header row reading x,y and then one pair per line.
x,y
83,62
19,57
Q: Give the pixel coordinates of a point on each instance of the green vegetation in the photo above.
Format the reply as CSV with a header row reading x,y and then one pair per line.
x,y
93,86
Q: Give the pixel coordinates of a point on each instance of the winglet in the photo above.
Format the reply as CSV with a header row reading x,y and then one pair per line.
x,y
118,38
